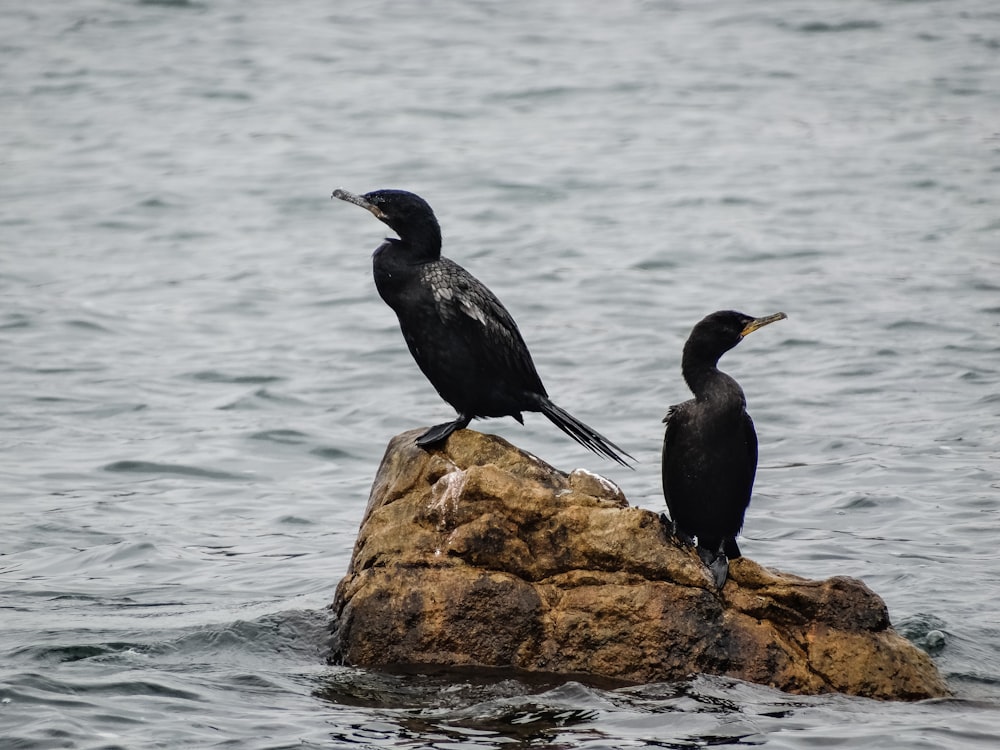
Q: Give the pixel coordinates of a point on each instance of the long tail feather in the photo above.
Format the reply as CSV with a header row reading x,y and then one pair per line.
x,y
586,436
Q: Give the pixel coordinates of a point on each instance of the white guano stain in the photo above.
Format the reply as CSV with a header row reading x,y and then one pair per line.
x,y
445,493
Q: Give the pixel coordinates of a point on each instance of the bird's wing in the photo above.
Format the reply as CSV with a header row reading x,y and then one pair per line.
x,y
751,442
470,309
670,414
456,291
674,415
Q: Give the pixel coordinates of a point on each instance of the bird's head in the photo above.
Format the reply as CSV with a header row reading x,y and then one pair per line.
x,y
716,334
407,214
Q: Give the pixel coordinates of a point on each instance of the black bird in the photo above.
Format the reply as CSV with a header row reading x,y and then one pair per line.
x,y
461,336
710,445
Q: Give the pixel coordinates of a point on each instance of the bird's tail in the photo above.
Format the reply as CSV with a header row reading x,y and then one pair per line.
x,y
586,436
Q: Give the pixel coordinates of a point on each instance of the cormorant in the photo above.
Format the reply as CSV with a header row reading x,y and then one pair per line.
x,y
710,445
461,336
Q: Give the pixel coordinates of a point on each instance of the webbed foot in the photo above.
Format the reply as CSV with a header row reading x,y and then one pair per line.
x,y
440,432
717,564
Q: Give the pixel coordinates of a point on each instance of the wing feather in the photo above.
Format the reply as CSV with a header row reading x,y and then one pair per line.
x,y
472,313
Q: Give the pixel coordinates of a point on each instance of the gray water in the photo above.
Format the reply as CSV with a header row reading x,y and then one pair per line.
x,y
198,379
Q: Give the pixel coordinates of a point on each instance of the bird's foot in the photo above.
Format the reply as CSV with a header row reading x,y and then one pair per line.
x,y
717,564
674,532
440,432
435,435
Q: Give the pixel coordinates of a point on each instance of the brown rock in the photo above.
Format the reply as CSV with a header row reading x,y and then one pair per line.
x,y
481,555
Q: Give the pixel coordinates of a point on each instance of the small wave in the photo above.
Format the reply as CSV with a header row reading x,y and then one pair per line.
x,y
297,633
75,652
285,437
260,398
823,27
330,452
925,630
16,320
150,467
239,96
654,264
214,376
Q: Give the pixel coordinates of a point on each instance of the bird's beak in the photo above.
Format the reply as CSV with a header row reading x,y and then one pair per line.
x,y
756,323
358,200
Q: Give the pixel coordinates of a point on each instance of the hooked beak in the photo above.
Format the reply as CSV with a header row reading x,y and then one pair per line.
x,y
756,323
358,200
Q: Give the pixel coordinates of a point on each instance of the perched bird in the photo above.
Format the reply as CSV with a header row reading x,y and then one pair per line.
x,y
710,445
461,336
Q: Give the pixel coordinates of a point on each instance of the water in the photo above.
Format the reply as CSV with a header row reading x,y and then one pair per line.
x,y
198,378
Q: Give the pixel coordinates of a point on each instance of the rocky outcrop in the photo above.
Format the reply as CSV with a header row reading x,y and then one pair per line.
x,y
481,555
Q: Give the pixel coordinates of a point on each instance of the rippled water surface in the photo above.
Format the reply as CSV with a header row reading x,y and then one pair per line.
x,y
198,379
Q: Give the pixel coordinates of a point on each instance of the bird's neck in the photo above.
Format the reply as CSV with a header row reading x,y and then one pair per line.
x,y
422,241
709,384
400,254
397,263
